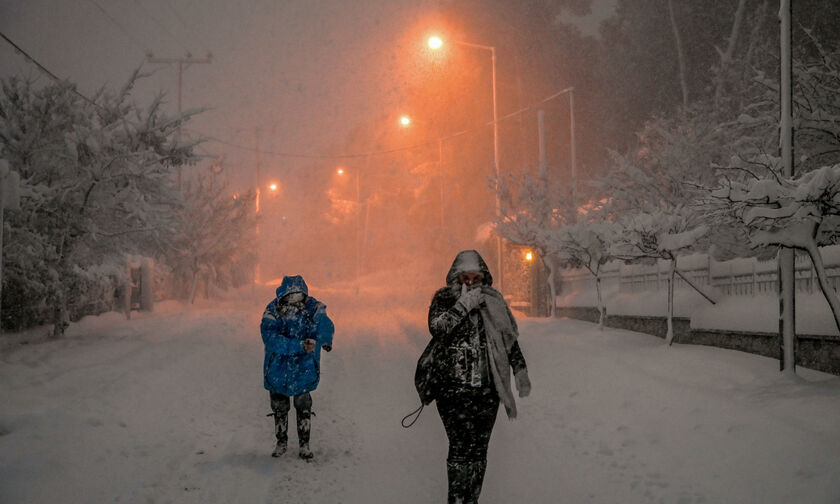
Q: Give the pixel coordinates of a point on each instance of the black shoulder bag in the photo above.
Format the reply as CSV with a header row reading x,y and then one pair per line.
x,y
426,378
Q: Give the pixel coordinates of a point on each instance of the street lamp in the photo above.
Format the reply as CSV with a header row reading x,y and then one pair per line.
x,y
341,172
436,42
405,121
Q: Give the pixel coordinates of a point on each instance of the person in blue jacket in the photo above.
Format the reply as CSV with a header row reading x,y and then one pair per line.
x,y
295,327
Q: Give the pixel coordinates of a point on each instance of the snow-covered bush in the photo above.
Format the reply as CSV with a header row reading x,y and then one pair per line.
x,y
96,183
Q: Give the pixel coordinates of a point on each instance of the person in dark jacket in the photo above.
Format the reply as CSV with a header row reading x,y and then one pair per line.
x,y
295,327
474,324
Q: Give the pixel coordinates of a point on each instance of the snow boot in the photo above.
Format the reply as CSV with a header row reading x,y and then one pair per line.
x,y
460,476
303,429
279,449
305,453
477,470
281,432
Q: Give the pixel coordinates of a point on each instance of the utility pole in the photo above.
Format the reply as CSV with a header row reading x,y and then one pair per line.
x,y
442,186
787,266
573,148
543,165
257,213
181,64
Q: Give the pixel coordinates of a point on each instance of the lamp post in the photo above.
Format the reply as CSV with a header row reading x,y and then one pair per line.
x,y
405,122
435,42
341,171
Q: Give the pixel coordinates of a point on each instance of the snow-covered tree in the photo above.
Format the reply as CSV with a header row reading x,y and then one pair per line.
x,y
215,238
529,215
586,244
96,183
659,235
773,209
801,213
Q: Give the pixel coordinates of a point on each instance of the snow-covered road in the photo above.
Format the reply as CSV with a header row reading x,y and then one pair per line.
x,y
169,407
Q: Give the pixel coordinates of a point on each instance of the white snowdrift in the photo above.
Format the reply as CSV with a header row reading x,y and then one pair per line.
x,y
169,407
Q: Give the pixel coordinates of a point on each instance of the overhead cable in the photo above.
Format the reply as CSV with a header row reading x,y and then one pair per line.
x,y
387,151
119,25
46,71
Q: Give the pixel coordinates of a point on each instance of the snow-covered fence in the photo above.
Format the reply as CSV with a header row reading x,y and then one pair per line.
x,y
738,277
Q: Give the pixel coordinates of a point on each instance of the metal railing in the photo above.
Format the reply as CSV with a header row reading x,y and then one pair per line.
x,y
738,277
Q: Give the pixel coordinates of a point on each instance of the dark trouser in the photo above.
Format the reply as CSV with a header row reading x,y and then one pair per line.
x,y
468,417
303,409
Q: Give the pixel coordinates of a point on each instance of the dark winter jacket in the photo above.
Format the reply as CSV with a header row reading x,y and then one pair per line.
x,y
287,368
463,334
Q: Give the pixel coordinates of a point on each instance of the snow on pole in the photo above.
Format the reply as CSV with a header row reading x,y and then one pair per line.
x,y
787,273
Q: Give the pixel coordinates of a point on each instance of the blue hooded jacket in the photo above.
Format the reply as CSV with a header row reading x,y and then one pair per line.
x,y
287,368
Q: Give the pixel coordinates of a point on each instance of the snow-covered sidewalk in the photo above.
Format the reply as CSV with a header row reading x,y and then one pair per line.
x,y
169,407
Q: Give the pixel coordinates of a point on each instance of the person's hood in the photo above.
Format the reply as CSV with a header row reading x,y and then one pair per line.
x,y
292,284
468,260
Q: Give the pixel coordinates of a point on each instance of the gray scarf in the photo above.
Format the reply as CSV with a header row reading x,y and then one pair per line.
x,y
501,334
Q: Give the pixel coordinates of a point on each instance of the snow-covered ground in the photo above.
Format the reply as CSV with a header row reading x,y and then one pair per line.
x,y
169,407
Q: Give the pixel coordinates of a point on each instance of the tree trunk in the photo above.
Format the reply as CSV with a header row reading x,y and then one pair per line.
x,y
680,54
61,319
726,57
669,336
552,304
602,310
827,290
193,286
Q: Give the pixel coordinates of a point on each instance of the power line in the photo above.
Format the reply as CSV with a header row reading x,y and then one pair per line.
x,y
161,25
184,24
46,71
118,25
388,151
301,155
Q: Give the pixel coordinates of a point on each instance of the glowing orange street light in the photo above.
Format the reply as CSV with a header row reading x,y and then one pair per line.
x,y
529,256
436,42
272,186
405,121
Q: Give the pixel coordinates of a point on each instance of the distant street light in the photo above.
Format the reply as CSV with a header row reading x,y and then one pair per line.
x,y
405,121
272,186
436,42
341,171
